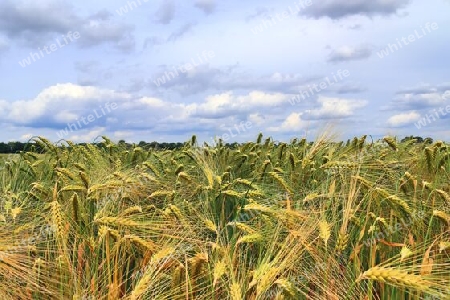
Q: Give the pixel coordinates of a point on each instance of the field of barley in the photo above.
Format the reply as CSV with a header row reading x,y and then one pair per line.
x,y
260,220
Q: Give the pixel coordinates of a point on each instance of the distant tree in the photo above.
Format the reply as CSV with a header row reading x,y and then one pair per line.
x,y
419,140
4,148
143,144
409,138
428,140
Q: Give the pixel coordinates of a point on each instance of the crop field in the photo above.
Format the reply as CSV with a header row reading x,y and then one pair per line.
x,y
260,220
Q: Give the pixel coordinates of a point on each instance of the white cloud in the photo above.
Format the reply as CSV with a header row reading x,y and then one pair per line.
x,y
420,100
403,119
293,123
59,106
256,119
66,116
26,137
123,134
226,103
90,135
335,108
60,103
348,53
152,102
446,95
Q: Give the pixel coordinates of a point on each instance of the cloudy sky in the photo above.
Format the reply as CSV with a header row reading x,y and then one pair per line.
x,y
165,70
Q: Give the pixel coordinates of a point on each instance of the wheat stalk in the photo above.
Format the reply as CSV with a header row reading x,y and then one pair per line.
x,y
396,278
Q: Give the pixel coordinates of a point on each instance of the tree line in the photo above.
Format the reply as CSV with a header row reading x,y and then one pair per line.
x,y
17,147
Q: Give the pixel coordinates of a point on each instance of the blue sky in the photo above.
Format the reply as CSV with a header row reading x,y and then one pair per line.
x,y
165,70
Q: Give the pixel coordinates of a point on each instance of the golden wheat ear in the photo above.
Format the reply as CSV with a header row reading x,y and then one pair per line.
x,y
396,278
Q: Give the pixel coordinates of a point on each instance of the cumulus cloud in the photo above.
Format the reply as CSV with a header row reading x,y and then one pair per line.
x,y
57,106
348,53
221,105
90,135
257,119
335,108
422,97
34,23
420,101
292,123
403,119
337,9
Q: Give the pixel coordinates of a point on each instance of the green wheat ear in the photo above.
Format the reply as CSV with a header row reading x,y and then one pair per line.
x,y
75,207
429,154
259,139
194,140
391,142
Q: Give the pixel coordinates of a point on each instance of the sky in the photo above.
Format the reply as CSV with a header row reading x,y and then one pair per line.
x,y
166,70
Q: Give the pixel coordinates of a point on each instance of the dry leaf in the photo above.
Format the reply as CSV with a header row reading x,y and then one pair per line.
x,y
427,264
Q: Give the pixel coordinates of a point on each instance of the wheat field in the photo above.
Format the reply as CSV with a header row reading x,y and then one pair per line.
x,y
262,220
